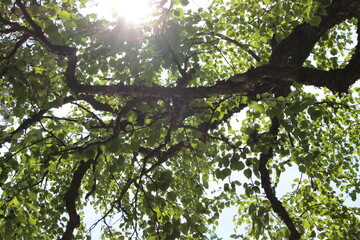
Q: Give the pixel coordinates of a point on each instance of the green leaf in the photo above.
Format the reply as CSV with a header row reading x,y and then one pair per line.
x,y
236,164
257,106
268,2
32,220
302,168
315,20
184,2
248,173
153,139
178,12
224,173
14,202
64,15
131,116
281,99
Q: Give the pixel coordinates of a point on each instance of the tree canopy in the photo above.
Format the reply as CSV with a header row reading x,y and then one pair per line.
x,y
142,122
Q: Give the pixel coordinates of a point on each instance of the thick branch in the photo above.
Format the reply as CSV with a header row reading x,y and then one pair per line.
x,y
39,34
223,87
64,50
71,196
277,206
259,80
337,80
295,49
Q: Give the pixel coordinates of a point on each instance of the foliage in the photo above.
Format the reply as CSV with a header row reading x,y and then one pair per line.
x,y
138,121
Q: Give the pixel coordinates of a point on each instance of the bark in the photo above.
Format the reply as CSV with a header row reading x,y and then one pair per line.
x,y
276,205
70,198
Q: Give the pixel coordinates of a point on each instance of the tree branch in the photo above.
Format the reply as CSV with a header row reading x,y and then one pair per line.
x,y
295,49
258,80
172,151
31,120
18,44
26,124
96,104
71,196
277,206
233,41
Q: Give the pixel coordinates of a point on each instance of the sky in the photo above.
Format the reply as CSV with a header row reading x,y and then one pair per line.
x,y
133,10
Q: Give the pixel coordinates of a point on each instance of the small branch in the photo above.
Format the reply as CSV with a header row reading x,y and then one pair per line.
x,y
52,135
102,124
7,59
175,59
31,120
173,150
224,57
27,123
96,104
233,41
17,46
8,30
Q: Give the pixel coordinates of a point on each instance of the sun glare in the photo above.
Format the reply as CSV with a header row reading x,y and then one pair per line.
x,y
135,11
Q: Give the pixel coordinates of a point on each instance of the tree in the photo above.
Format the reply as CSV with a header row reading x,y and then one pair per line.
x,y
145,126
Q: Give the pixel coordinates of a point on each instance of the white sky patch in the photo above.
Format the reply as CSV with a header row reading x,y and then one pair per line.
x,y
133,11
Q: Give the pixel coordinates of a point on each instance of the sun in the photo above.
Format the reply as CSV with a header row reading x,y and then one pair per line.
x,y
134,11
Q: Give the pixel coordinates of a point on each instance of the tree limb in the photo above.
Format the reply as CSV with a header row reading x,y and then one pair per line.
x,y
277,206
71,196
295,49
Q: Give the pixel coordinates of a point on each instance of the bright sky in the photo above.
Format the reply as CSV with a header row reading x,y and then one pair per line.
x,y
135,11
